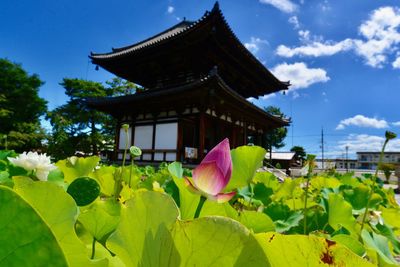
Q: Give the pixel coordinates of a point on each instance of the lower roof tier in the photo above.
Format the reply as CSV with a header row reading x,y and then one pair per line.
x,y
208,93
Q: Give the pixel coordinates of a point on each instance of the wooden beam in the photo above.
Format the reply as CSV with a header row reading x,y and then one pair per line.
x,y
179,143
202,133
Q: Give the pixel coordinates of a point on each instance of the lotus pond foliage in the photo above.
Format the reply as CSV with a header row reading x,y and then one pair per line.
x,y
225,212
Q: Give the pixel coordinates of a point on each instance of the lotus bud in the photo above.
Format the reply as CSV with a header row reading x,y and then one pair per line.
x,y
213,174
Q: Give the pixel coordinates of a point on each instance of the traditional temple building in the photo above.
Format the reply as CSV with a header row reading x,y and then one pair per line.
x,y
196,77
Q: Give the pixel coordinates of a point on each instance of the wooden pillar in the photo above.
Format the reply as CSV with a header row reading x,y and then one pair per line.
x,y
179,148
233,136
202,134
153,140
244,133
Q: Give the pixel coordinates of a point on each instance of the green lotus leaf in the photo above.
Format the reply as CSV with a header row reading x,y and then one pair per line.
x,y
340,213
391,217
320,182
268,179
105,177
288,190
216,241
84,190
59,212
5,179
101,218
351,243
301,250
57,176
143,236
212,208
75,167
246,160
150,234
256,221
358,196
25,238
188,201
380,245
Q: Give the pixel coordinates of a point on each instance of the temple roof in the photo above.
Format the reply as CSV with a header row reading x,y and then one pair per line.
x,y
210,91
187,51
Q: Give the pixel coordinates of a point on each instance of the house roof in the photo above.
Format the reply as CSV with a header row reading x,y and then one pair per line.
x,y
168,57
281,155
377,152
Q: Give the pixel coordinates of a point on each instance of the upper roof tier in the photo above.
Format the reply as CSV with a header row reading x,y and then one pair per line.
x,y
187,51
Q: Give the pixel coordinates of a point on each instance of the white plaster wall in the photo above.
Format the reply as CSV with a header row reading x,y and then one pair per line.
x,y
166,136
144,136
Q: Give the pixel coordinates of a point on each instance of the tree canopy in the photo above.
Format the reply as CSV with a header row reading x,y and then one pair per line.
x,y
300,152
20,107
275,137
78,128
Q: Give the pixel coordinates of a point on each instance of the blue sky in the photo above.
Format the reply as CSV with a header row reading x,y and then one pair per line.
x,y
342,57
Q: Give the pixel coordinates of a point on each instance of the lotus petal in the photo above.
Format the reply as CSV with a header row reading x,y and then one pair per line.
x,y
208,178
221,154
224,197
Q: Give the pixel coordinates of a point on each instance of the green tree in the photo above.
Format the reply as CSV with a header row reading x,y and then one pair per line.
x,y
20,108
78,128
122,87
387,169
300,153
275,137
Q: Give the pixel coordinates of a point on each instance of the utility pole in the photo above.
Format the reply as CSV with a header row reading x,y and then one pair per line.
x,y
322,147
347,158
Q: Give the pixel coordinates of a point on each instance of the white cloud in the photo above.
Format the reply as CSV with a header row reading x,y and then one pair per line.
x,y
365,142
325,6
397,123
362,121
396,63
170,9
299,75
286,6
315,49
295,95
254,45
380,35
295,22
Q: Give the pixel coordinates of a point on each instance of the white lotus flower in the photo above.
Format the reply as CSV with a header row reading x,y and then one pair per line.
x,y
32,161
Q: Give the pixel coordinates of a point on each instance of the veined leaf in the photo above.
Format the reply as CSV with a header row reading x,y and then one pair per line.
x,y
59,211
256,221
380,244
246,160
101,218
75,167
143,236
300,250
340,213
351,243
25,238
212,208
188,200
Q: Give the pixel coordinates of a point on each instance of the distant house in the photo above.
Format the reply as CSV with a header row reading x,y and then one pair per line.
x,y
369,160
284,159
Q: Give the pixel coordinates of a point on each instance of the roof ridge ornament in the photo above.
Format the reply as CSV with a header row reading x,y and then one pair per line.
x,y
215,7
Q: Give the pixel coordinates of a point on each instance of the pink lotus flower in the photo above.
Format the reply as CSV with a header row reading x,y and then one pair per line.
x,y
213,174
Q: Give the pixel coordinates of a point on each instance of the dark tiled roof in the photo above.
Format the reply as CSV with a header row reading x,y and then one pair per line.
x,y
111,102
